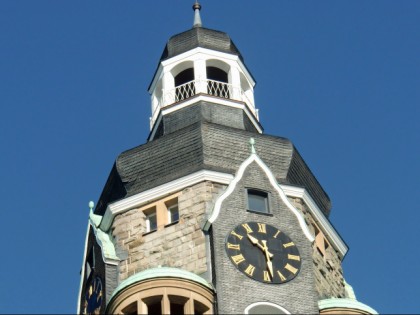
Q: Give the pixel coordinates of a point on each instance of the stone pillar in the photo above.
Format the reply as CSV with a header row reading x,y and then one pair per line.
x,y
235,81
200,76
168,86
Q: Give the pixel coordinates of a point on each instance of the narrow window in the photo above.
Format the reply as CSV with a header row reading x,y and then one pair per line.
x,y
151,219
257,201
217,82
154,304
173,211
184,85
130,309
200,308
177,304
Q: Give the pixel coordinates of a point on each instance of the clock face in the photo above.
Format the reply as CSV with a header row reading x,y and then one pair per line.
x,y
93,296
263,252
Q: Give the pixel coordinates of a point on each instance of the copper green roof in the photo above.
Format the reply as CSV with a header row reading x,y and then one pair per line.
x,y
160,272
345,303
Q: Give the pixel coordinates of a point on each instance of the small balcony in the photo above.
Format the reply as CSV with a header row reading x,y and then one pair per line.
x,y
209,87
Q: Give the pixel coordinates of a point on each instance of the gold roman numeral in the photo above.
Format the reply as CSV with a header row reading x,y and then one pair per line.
x,y
237,259
236,234
266,276
250,270
293,257
288,244
247,228
278,232
261,228
234,246
291,268
283,278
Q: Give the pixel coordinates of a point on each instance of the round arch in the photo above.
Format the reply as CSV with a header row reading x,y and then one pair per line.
x,y
265,308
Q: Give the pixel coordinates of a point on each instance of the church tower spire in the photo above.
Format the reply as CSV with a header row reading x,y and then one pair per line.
x,y
200,208
201,69
197,18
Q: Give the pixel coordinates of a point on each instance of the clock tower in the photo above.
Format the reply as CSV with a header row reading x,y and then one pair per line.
x,y
211,215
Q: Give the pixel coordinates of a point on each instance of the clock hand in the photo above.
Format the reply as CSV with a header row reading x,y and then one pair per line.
x,y
264,248
268,256
255,241
270,267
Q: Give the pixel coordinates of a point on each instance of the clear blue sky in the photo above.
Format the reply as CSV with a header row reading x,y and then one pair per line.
x,y
339,78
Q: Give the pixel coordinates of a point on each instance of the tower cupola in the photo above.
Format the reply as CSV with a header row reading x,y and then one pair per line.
x,y
202,65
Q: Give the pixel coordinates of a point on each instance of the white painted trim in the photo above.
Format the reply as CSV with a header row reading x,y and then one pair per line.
x,y
82,274
160,191
209,52
227,179
324,224
266,303
155,125
255,158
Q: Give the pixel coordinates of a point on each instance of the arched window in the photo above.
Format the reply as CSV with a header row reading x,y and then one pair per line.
x,y
184,85
217,80
265,308
163,296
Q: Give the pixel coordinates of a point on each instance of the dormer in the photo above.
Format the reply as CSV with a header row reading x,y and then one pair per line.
x,y
201,65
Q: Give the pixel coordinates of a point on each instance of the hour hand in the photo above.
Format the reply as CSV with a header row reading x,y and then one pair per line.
x,y
254,241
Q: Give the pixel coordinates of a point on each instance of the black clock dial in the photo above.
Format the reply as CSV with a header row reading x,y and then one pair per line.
x,y
263,252
93,296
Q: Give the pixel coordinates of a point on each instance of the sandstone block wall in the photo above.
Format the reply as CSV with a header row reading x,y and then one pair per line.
x,y
180,245
327,263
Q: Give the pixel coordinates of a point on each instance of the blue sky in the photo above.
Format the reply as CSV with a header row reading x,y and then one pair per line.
x,y
338,78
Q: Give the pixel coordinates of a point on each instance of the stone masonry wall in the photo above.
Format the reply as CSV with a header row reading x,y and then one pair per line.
x,y
328,271
181,245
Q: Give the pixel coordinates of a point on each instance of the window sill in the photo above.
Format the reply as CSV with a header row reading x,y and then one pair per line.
x,y
150,232
172,223
258,212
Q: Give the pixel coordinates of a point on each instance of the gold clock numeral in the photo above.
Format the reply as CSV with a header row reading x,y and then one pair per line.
x,y
237,259
267,276
236,234
250,270
283,278
247,228
278,232
288,244
291,268
261,228
293,257
233,246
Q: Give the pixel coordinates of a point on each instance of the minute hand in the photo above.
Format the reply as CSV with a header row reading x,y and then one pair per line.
x,y
268,256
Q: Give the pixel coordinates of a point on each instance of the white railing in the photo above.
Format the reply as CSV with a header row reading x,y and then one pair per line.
x,y
220,89
183,91
210,87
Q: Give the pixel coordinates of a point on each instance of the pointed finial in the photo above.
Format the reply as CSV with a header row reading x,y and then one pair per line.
x,y
251,143
91,205
197,18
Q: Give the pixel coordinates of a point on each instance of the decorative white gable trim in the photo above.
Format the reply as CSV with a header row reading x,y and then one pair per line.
x,y
107,250
222,178
255,158
160,191
319,217
82,276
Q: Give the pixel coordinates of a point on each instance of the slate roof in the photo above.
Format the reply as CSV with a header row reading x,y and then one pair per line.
x,y
208,146
199,37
